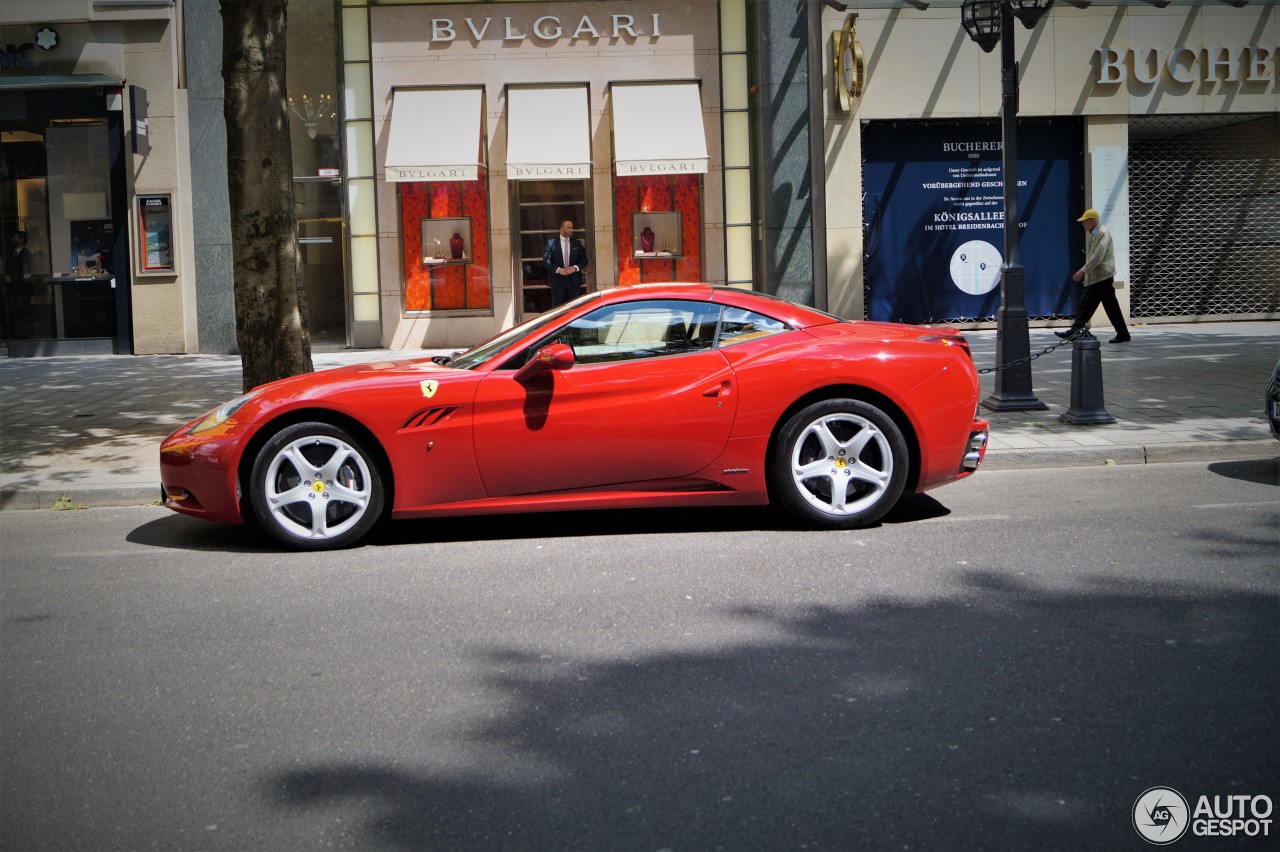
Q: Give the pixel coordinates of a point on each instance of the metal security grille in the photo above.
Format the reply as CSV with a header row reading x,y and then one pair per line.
x,y
1204,222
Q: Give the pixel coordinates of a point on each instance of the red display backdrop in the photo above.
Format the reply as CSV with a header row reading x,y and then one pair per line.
x,y
655,193
443,287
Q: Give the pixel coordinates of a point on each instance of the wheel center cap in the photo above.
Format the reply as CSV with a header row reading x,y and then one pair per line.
x,y
840,462
317,486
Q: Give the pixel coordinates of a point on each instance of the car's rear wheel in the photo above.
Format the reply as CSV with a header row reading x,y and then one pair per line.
x,y
314,486
839,463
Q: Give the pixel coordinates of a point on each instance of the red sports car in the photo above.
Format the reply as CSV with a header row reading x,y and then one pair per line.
x,y
652,395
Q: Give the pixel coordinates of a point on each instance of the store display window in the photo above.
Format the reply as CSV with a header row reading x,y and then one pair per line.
x,y
444,232
659,222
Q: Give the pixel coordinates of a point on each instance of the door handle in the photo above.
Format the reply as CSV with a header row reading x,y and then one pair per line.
x,y
722,389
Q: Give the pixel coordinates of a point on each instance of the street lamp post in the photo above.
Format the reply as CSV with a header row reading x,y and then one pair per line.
x,y
990,22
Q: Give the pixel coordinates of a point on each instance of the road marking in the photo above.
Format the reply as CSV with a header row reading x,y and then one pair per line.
x,y
94,554
1265,504
966,518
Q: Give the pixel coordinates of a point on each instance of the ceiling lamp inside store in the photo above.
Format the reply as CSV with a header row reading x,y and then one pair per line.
x,y
314,111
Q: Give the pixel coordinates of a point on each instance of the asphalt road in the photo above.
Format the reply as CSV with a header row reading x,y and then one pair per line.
x,y
1006,663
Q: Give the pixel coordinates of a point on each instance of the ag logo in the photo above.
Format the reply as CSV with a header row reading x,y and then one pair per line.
x,y
429,388
1160,815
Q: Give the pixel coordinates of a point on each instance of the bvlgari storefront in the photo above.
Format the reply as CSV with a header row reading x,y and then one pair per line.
x,y
484,126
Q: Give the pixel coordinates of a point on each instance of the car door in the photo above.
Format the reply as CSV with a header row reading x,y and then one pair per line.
x,y
648,398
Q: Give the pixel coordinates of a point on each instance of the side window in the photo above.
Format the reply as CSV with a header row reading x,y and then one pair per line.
x,y
740,325
635,330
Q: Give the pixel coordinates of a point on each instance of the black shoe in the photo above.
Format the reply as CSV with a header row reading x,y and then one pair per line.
x,y
1119,339
1065,334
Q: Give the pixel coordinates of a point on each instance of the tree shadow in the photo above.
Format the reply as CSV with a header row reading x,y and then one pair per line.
x,y
1005,716
79,402
68,416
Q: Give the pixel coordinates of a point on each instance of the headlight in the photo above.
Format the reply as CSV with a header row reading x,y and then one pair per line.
x,y
221,414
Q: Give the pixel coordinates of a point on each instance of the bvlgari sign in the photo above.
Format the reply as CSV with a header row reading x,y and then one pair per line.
x,y
430,173
548,27
1181,64
568,171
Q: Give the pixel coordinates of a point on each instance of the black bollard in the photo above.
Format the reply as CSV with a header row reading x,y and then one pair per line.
x,y
1086,383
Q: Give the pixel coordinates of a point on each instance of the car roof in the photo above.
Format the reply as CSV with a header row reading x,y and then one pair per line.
x,y
796,316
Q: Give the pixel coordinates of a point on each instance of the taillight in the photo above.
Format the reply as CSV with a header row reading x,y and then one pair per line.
x,y
956,340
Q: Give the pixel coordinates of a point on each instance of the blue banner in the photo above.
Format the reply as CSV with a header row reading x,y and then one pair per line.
x,y
933,204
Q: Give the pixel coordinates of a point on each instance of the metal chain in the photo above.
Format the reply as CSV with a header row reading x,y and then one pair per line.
x,y
1080,333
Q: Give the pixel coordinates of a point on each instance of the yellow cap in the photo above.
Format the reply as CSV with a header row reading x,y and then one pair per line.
x,y
1090,214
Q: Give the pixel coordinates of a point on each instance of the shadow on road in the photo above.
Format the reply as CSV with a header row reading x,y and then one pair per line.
x,y
1261,471
1005,717
186,533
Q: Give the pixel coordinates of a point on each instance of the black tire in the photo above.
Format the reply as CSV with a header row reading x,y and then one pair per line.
x,y
314,486
839,464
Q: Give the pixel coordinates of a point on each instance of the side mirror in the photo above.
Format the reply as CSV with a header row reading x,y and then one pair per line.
x,y
557,356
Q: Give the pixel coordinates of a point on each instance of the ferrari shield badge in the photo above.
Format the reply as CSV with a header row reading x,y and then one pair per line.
x,y
429,387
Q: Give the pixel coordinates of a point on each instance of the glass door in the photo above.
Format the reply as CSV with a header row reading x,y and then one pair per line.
x,y
541,205
61,225
321,259
317,158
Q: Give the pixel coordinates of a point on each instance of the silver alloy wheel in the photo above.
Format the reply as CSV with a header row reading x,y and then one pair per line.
x,y
318,487
842,464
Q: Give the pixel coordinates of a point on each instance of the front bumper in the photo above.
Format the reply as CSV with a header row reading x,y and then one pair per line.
x,y
198,475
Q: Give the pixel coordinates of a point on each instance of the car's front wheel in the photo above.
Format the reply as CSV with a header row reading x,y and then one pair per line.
x,y
314,486
839,463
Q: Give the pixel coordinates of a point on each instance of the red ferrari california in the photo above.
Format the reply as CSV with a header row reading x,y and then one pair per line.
x,y
652,395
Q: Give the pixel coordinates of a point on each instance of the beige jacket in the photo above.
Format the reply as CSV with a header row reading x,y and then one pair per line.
x,y
1099,256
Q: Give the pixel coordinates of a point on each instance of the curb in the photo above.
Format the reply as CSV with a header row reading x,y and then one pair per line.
x,y
1208,451
89,498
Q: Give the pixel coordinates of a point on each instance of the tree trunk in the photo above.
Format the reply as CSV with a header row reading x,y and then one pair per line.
x,y
271,309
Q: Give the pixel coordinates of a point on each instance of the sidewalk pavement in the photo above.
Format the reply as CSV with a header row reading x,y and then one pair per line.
x,y
87,430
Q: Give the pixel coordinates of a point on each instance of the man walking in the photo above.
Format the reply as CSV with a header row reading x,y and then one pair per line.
x,y
1098,274
565,258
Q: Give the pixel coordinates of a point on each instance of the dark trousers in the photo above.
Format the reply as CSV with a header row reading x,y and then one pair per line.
x,y
563,289
1102,293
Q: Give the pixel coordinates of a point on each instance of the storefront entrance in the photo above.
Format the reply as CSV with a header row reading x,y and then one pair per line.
x,y
1204,228
541,205
62,216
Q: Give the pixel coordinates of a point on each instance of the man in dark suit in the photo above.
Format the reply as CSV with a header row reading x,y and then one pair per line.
x,y
17,266
18,262
565,258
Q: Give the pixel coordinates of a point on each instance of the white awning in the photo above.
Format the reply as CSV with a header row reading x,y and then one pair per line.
x,y
548,133
658,129
435,135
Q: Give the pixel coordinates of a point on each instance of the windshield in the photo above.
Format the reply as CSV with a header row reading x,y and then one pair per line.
x,y
473,358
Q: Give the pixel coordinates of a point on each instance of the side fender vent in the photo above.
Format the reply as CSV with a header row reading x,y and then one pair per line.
x,y
430,417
